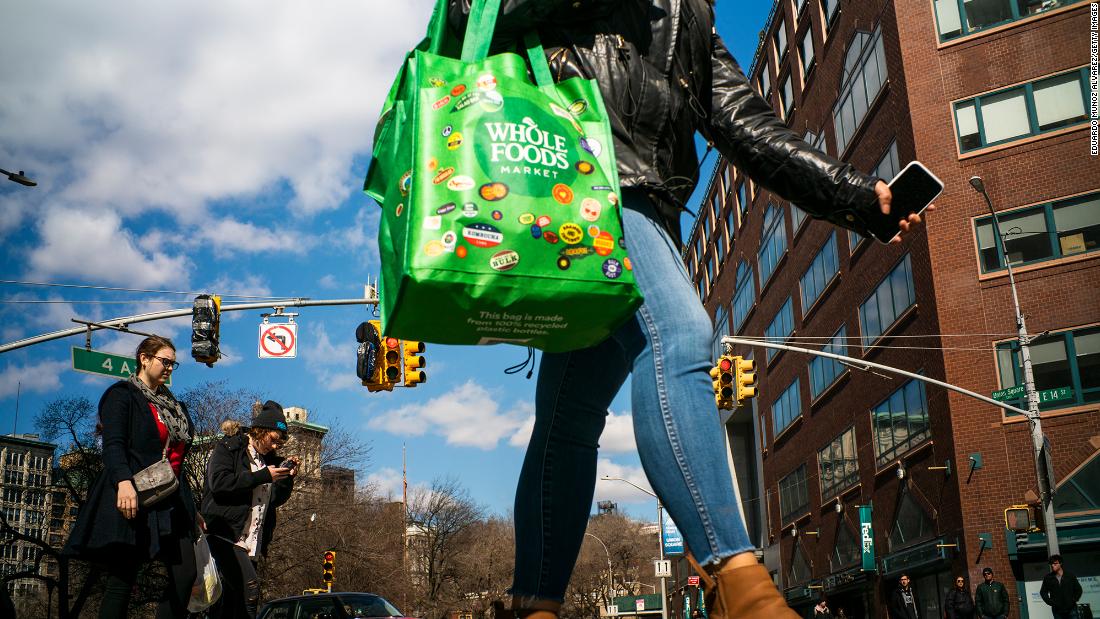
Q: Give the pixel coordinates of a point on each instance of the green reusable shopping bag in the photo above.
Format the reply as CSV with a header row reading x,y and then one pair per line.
x,y
501,217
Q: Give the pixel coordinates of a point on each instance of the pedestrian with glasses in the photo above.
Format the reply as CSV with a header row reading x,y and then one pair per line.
x,y
958,604
141,422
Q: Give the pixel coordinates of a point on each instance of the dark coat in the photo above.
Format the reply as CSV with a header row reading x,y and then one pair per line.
x,y
227,494
991,599
1063,596
897,608
664,74
957,604
131,442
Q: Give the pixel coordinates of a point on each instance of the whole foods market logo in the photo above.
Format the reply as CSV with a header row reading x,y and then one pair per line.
x,y
528,148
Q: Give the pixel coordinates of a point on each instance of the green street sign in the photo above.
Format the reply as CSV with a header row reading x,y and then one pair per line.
x,y
1008,394
1055,395
104,363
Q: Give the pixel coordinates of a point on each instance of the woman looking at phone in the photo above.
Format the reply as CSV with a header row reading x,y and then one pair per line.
x,y
245,482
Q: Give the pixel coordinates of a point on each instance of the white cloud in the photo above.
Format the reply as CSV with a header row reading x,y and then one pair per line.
x,y
618,434
466,416
42,377
95,247
610,490
328,281
231,236
386,482
247,99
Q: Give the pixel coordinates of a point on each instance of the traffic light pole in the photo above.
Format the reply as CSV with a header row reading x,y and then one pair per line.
x,y
151,316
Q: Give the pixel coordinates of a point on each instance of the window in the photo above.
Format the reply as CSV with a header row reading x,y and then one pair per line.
x,y
855,239
710,269
830,7
806,49
981,14
729,226
787,408
822,271
839,465
846,551
720,248
1021,111
721,327
787,101
888,167
1069,359
793,497
780,41
889,301
773,242
823,370
864,75
798,5
780,328
1081,492
800,568
911,524
702,286
742,200
744,297
1040,233
797,217
900,422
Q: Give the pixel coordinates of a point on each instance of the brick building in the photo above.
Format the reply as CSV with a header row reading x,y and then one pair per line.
x,y
995,88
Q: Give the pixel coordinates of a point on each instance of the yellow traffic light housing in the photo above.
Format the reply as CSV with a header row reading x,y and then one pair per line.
x,y
373,372
413,362
328,568
206,328
746,379
1021,518
722,373
391,362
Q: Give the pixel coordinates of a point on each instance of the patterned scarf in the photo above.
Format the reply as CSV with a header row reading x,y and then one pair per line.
x,y
171,413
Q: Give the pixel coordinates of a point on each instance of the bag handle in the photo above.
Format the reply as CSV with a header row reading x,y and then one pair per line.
x,y
537,57
479,37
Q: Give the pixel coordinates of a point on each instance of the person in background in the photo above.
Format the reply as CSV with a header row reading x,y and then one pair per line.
x,y
903,601
991,597
821,610
245,482
141,422
1060,589
957,604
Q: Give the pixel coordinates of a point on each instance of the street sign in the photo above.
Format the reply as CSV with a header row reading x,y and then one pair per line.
x,y
278,341
867,539
639,604
105,364
1003,395
670,537
662,568
693,581
1055,395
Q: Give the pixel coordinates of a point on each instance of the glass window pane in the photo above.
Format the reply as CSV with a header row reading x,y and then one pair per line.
x,y
788,93
947,18
1078,225
967,119
1088,361
987,246
1005,364
872,78
869,316
1050,365
807,51
1004,115
1025,236
983,13
1058,101
781,41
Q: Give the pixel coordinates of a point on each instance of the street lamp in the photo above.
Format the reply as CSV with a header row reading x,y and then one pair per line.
x,y
610,576
660,541
1041,471
18,177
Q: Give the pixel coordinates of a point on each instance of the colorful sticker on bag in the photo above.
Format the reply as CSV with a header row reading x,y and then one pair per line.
x,y
536,232
576,252
491,192
454,141
435,82
487,81
593,231
612,268
592,145
444,101
449,239
543,221
469,210
482,235
433,248
526,219
442,175
457,90
585,168
491,101
460,183
550,237
591,209
563,193
466,101
504,260
433,222
405,183
446,208
571,233
604,244
578,107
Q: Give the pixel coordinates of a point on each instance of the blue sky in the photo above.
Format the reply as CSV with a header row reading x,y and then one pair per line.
x,y
220,147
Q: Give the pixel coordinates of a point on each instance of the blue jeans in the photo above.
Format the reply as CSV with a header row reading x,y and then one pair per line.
x,y
681,442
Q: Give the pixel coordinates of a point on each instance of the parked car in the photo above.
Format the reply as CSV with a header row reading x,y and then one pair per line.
x,y
342,605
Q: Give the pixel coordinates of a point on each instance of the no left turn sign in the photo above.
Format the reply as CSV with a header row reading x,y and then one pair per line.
x,y
278,341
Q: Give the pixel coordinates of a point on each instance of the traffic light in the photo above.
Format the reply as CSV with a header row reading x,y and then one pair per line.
x,y
366,363
746,379
390,371
1021,518
205,324
328,569
413,362
722,373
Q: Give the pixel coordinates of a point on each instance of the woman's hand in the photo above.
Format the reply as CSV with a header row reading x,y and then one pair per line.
x,y
127,499
278,472
885,197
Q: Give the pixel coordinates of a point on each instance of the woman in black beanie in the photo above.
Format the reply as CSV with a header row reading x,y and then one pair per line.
x,y
245,482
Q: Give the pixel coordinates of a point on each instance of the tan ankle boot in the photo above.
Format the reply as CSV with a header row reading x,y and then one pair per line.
x,y
745,592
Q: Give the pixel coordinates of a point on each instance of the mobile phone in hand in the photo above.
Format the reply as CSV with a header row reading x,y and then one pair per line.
x,y
289,463
913,189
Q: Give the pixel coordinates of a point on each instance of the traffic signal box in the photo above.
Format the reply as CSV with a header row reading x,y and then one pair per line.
x,y
413,362
745,378
205,327
1021,518
328,569
722,373
368,365
390,370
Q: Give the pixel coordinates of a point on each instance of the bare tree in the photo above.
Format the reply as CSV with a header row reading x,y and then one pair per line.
x,y
630,553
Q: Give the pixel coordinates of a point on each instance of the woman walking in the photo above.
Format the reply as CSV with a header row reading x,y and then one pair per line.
x,y
141,423
245,482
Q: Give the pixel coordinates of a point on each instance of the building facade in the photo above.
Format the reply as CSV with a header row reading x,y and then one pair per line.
x,y
26,499
991,88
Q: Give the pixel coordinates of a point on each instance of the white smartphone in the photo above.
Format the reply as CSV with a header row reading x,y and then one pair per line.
x,y
913,189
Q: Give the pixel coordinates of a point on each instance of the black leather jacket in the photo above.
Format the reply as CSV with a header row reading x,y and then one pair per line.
x,y
664,74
